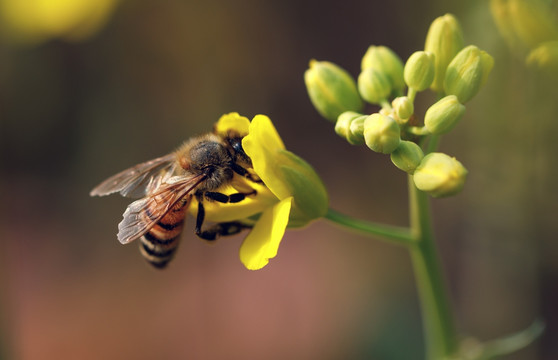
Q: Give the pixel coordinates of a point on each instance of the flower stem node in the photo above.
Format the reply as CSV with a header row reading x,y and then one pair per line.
x,y
332,90
442,116
349,126
381,133
440,175
387,62
444,40
467,72
403,107
374,86
419,70
407,156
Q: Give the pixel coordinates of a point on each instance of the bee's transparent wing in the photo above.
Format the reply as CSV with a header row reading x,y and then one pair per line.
x,y
143,214
138,180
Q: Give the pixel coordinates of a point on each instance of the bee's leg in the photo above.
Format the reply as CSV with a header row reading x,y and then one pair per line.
x,y
200,217
243,172
220,229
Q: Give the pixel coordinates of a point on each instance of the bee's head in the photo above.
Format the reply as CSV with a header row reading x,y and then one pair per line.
x,y
213,160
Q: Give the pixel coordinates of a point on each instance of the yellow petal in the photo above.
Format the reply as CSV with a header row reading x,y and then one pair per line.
x,y
232,121
261,125
264,239
263,145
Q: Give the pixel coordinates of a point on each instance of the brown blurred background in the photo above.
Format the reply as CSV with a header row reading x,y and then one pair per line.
x,y
73,113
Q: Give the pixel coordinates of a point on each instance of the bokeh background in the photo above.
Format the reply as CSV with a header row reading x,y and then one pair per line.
x,y
130,80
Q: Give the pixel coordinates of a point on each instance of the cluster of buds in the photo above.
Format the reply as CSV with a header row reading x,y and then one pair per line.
x,y
454,72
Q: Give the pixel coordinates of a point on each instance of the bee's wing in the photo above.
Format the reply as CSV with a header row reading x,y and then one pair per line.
x,y
143,214
138,180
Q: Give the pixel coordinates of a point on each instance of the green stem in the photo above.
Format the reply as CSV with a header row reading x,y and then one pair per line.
x,y
411,94
385,105
432,144
418,130
392,234
440,334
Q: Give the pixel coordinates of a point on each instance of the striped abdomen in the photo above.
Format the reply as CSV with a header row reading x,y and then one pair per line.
x,y
159,244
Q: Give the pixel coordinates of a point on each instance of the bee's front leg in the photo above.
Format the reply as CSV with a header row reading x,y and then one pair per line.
x,y
243,172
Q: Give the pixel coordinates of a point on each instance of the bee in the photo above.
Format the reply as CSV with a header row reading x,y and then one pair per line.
x,y
166,186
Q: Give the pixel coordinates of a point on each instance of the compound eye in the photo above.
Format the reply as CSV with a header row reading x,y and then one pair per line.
x,y
185,164
236,144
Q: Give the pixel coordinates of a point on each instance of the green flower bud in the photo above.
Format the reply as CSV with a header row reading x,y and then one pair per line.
x,y
344,121
344,127
545,58
440,175
467,72
403,107
407,156
444,40
386,61
442,116
356,131
419,70
381,133
374,86
332,90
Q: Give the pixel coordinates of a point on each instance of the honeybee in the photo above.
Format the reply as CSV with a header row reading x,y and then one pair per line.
x,y
165,187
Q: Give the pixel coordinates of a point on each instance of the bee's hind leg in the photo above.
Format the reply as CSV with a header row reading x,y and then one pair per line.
x,y
222,229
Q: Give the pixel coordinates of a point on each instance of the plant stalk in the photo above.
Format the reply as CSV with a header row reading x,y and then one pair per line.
x,y
439,329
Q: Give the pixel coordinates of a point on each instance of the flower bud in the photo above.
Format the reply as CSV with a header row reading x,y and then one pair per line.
x,y
440,175
467,72
525,24
442,116
545,58
381,133
343,123
344,126
332,90
419,70
356,131
374,86
403,107
444,40
407,156
387,62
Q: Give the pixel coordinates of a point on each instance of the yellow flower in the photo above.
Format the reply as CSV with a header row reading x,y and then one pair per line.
x,y
39,20
293,194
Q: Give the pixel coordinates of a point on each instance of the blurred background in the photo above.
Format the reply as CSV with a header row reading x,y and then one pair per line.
x,y
93,87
